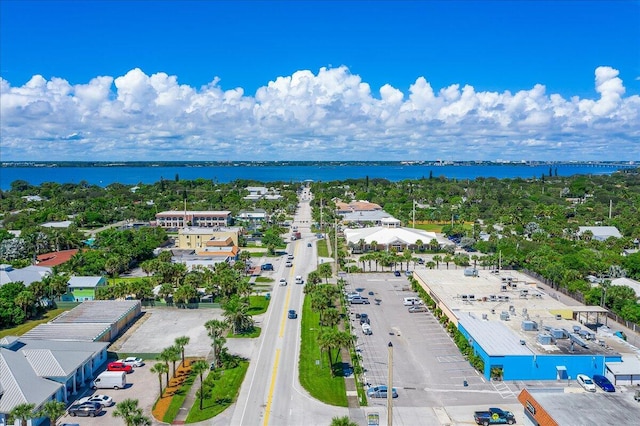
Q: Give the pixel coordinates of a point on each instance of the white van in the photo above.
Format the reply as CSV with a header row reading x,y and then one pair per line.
x,y
410,301
110,380
366,329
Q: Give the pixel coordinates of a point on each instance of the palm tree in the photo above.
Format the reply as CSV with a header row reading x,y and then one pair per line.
x,y
180,343
342,421
216,329
236,313
199,367
25,300
129,411
160,369
53,410
165,356
23,412
437,259
174,356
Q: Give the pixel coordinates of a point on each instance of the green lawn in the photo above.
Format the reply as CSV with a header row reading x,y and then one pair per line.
x,y
316,379
223,394
264,280
323,251
258,305
250,334
23,328
178,399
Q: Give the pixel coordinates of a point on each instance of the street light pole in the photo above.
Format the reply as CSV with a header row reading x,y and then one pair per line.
x,y
390,387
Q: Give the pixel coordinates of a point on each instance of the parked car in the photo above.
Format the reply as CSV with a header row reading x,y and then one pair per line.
x,y
396,273
119,366
381,392
420,261
267,267
133,361
86,409
494,416
603,383
366,329
364,319
104,400
418,308
352,295
359,300
586,382
283,281
292,314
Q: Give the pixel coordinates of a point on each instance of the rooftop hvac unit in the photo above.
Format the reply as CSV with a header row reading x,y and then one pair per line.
x,y
524,311
557,333
529,326
576,328
484,317
545,339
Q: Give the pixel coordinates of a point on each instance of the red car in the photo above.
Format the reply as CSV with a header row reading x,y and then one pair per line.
x,y
119,366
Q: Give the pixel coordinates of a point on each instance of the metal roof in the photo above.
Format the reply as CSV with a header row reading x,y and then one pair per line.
x,y
68,331
86,282
98,311
493,336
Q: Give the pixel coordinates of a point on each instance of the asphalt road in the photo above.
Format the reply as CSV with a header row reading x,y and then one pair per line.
x,y
271,393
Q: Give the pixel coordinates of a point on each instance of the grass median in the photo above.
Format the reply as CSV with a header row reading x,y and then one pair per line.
x,y
315,373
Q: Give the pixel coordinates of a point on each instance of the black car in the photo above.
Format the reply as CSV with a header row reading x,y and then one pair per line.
x,y
396,273
86,409
292,314
364,318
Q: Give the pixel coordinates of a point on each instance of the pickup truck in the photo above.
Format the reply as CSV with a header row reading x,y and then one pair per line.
x,y
494,416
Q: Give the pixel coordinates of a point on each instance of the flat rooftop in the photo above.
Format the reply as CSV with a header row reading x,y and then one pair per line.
x,y
493,306
586,408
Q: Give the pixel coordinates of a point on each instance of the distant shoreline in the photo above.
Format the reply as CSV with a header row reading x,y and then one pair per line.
x,y
433,163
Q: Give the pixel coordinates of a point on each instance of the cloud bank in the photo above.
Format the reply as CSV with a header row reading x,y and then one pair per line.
x,y
331,115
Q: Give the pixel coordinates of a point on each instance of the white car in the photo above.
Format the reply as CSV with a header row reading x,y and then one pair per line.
x,y
283,281
132,361
105,400
586,382
299,279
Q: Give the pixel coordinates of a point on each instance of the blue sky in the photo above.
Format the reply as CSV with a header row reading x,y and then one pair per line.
x,y
503,79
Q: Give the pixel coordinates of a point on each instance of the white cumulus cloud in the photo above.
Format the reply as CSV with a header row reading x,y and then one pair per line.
x,y
328,115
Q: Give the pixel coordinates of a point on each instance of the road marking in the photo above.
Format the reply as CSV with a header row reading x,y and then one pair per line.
x,y
271,388
286,312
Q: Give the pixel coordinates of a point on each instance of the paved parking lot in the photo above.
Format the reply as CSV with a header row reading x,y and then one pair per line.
x,y
428,369
156,330
141,385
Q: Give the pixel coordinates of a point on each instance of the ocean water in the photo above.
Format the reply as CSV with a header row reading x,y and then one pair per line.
x,y
104,176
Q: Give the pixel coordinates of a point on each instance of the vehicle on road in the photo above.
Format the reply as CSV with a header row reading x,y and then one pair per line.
x,y
289,264
267,267
603,383
86,409
396,273
419,308
359,300
381,392
308,244
292,314
132,361
366,329
104,400
289,256
364,319
586,382
299,279
119,366
494,416
283,282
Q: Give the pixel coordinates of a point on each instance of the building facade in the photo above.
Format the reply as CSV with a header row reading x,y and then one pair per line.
x,y
180,219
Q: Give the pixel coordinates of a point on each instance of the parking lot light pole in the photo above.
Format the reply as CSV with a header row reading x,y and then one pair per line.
x,y
390,387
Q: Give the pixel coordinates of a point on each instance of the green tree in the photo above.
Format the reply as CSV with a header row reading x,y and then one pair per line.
x,y
160,369
342,421
180,343
129,411
215,330
199,367
53,410
23,412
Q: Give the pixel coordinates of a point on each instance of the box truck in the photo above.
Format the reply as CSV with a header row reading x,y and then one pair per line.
x,y
110,380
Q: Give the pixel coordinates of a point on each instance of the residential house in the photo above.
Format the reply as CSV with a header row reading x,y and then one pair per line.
x,y
84,288
25,275
600,233
194,238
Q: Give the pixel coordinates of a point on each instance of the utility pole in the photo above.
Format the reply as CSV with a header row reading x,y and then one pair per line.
x,y
390,387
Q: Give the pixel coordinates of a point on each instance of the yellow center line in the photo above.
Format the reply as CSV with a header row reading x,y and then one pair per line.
x,y
272,387
286,313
